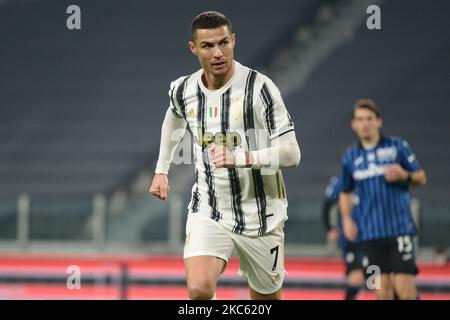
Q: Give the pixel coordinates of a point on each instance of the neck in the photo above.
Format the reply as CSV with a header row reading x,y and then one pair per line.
x,y
214,83
371,141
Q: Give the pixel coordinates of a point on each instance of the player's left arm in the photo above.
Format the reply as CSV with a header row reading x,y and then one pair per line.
x,y
283,152
408,169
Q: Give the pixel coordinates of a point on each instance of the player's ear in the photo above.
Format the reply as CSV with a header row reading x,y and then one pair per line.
x,y
233,40
352,124
380,123
192,47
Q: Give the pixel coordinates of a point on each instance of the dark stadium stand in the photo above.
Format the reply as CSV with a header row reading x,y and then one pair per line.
x,y
82,110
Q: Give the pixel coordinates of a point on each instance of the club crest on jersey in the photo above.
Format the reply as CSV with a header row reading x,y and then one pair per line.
x,y
237,108
213,112
237,115
387,154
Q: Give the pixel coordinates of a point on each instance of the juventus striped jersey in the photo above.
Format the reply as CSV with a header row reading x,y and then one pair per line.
x,y
383,209
247,113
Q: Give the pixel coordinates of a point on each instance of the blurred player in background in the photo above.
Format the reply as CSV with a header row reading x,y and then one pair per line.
x,y
351,250
243,135
379,170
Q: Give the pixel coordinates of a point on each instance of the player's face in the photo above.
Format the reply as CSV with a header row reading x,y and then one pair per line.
x,y
366,124
214,50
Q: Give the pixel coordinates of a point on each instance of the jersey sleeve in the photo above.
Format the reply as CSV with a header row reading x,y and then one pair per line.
x,y
272,112
336,188
329,190
348,182
407,158
175,93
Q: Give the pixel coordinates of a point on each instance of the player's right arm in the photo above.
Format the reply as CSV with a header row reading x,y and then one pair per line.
x,y
173,129
346,200
345,207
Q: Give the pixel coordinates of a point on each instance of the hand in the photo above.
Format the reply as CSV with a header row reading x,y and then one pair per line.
x,y
160,186
395,173
350,229
221,156
333,235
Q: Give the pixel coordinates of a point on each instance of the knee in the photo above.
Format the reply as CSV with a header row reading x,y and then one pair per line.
x,y
406,294
356,278
385,294
201,291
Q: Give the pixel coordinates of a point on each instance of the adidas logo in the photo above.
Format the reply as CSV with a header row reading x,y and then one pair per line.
x,y
191,113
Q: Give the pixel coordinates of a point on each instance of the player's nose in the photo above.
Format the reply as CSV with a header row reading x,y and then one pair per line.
x,y
218,52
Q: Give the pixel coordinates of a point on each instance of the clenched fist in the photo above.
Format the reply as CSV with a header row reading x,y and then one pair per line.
x,y
160,186
221,156
395,173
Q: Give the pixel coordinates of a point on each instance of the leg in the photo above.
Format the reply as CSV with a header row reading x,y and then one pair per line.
x,y
353,269
386,290
262,263
405,286
377,254
206,251
258,296
395,295
355,280
202,274
404,267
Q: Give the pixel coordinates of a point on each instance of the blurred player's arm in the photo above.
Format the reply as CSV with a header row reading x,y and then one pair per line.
x,y
408,170
395,173
418,178
173,129
345,207
346,200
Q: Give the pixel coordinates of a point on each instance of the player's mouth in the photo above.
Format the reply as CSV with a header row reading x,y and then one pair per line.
x,y
219,65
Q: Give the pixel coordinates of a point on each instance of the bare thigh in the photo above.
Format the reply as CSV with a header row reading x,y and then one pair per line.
x,y
202,274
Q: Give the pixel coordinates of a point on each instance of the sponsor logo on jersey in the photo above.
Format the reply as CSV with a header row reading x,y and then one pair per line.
x,y
370,172
230,139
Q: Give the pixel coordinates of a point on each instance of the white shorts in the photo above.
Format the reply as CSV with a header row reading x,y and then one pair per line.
x,y
261,258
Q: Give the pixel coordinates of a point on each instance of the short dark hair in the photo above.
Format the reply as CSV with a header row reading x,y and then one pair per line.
x,y
209,20
367,104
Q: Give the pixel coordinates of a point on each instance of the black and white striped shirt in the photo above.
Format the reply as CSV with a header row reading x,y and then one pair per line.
x,y
247,112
